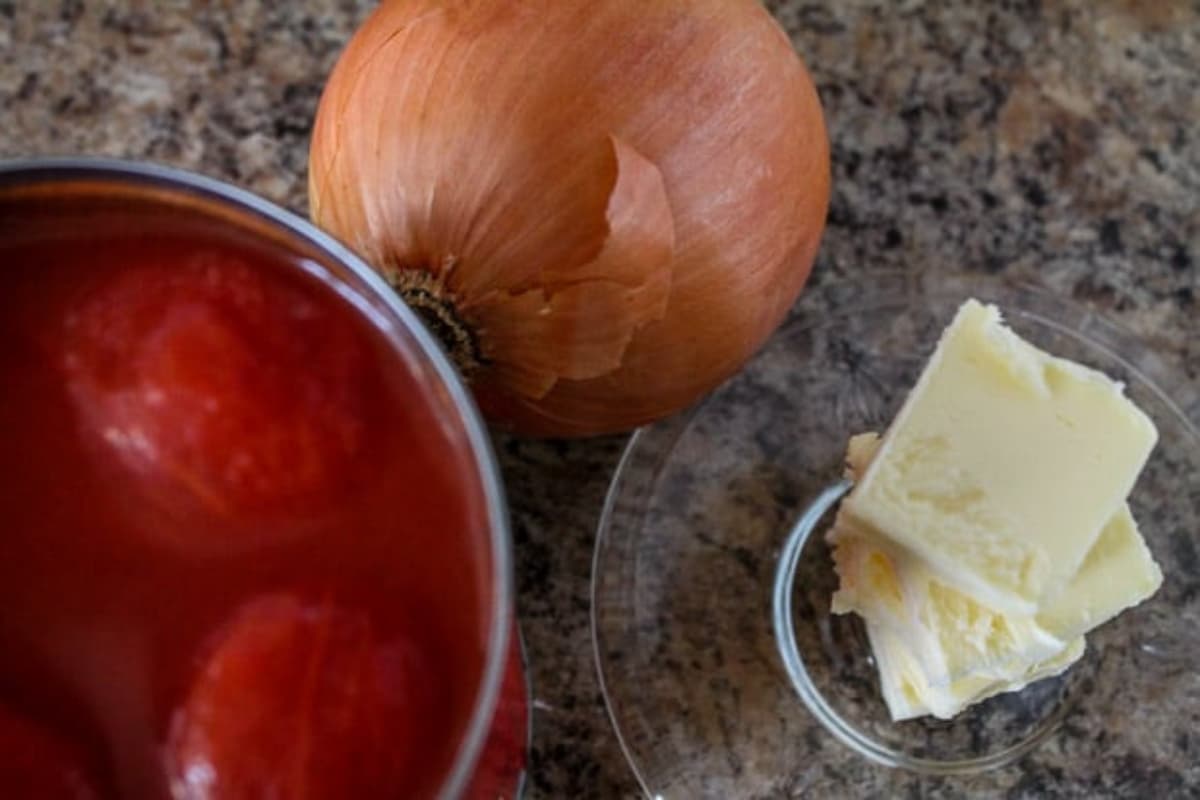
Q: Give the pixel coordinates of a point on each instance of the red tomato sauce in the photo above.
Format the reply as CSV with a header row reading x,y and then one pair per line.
x,y
240,549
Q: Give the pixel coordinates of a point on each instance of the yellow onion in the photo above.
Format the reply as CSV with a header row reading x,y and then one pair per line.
x,y
603,207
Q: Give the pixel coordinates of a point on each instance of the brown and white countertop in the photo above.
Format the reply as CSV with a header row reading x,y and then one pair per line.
x,y
1048,140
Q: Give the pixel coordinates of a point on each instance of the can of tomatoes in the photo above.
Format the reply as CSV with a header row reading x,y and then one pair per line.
x,y
255,540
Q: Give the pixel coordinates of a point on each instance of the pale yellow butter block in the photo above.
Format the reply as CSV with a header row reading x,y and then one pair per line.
x,y
952,636
1118,573
908,693
955,636
1004,464
939,650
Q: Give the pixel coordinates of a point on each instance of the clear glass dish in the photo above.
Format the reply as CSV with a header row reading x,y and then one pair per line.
x,y
706,535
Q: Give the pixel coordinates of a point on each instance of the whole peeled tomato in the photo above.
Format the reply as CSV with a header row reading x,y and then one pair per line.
x,y
213,379
35,763
602,207
298,701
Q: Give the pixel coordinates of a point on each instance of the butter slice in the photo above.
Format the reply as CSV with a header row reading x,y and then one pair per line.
x,y
952,636
1118,573
908,693
939,650
1004,465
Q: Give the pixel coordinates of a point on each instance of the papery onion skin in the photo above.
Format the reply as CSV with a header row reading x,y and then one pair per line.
x,y
621,199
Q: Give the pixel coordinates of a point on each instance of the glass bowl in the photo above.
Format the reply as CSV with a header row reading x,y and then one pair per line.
x,y
723,670
64,195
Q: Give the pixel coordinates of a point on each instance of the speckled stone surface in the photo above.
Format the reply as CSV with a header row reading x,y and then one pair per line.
x,y
1047,141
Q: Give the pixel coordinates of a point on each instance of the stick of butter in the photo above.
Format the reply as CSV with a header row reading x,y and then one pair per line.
x,y
1003,465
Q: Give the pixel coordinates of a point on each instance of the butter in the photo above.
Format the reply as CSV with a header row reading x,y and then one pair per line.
x,y
1004,465
907,690
1118,573
973,578
951,635
939,650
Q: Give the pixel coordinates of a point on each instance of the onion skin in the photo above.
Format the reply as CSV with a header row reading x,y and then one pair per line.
x,y
621,198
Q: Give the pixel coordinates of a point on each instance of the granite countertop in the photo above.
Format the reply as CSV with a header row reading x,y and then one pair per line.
x,y
1048,140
